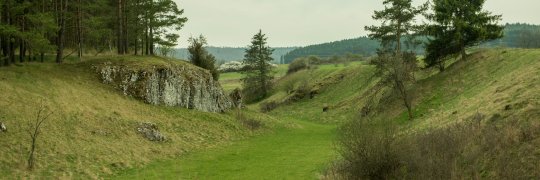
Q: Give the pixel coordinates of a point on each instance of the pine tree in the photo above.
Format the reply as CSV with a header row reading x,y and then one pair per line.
x,y
458,24
396,68
398,21
258,73
199,56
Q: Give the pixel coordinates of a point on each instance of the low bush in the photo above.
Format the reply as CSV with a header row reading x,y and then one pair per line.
x,y
268,106
297,65
475,148
252,124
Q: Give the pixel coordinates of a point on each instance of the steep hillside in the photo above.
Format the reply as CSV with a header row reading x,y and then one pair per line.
x,y
93,129
488,82
487,107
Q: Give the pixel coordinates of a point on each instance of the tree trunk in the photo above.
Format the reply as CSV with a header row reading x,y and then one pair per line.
x,y
29,54
125,28
463,52
120,29
404,95
151,41
398,38
60,38
146,41
9,42
31,157
22,50
79,31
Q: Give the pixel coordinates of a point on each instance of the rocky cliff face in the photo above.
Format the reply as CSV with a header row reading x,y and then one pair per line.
x,y
173,84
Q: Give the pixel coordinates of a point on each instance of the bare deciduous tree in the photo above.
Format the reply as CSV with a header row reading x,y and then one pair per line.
x,y
34,130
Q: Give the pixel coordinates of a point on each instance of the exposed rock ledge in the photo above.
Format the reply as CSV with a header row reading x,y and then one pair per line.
x,y
166,83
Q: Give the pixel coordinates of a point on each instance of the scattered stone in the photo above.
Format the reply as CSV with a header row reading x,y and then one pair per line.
x,y
100,132
508,107
150,131
3,127
454,113
325,108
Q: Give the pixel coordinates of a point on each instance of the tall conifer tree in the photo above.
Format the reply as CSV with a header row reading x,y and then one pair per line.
x,y
258,73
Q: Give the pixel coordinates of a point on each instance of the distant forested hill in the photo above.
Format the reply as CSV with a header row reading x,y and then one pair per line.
x,y
232,54
516,35
361,45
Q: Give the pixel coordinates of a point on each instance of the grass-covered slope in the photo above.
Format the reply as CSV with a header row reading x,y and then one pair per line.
x,y
489,81
479,118
336,87
92,131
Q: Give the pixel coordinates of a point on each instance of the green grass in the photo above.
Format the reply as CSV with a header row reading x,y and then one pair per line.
x,y
303,152
92,131
295,143
299,153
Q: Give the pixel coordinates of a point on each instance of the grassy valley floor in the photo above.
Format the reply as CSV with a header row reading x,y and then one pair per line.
x,y
298,153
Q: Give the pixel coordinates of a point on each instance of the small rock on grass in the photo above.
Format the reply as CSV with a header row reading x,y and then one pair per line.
x,y
150,131
3,127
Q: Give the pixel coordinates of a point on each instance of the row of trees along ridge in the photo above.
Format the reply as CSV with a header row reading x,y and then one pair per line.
x,y
39,27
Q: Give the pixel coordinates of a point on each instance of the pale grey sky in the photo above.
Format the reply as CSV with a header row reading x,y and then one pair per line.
x,y
305,22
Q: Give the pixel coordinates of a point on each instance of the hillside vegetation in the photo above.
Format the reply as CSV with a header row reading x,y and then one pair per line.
x,y
92,130
497,90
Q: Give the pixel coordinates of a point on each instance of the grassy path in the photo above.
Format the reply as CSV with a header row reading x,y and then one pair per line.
x,y
299,153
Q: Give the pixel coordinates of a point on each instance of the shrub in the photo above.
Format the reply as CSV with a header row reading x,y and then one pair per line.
x,y
297,65
474,148
367,150
252,124
303,63
268,106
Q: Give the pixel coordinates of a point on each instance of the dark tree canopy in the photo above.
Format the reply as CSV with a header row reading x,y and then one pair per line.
x,y
459,24
398,21
199,56
31,29
258,74
395,68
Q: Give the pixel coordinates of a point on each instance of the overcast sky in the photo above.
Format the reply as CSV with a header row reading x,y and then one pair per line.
x,y
304,22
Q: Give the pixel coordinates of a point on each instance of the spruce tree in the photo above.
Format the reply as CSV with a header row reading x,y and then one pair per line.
x,y
398,21
395,68
458,24
199,56
258,70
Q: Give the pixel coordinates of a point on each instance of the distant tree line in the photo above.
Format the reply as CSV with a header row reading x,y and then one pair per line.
x,y
516,35
31,29
361,45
